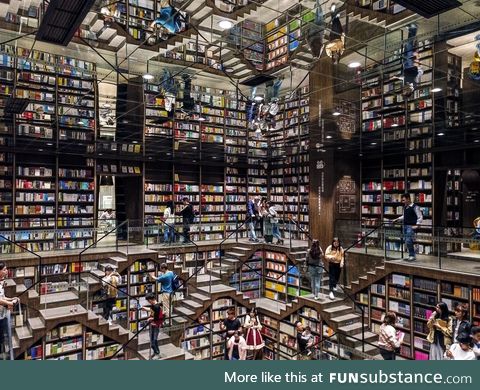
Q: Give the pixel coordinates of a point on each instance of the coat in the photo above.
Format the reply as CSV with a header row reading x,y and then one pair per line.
x,y
445,330
242,347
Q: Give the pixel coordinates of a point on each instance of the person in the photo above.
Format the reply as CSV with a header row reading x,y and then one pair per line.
x,y
188,217
155,320
462,349
6,306
165,278
110,283
460,323
308,337
273,215
169,226
261,212
169,19
302,343
389,340
254,337
440,331
476,341
412,71
314,32
412,218
108,216
335,255
231,324
252,216
237,347
266,221
336,41
315,267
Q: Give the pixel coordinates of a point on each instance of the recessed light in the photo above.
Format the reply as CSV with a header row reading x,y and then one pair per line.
x,y
329,137
440,134
354,64
100,154
194,161
225,24
150,158
169,154
339,148
148,77
477,140
258,98
134,142
436,90
49,144
194,148
373,143
201,119
336,113
40,150
214,157
395,125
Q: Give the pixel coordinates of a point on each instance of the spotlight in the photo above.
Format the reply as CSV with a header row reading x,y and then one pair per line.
x,y
148,77
437,89
258,98
225,24
441,134
336,113
354,64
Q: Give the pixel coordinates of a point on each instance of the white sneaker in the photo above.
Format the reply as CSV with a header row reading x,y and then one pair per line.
x,y
110,322
317,297
335,288
332,297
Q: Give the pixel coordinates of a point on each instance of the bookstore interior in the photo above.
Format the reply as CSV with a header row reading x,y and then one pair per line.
x,y
239,180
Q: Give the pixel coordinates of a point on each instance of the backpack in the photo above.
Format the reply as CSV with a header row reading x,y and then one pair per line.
x,y
112,290
176,282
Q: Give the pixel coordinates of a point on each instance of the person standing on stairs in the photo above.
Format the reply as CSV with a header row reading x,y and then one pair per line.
x,y
335,255
155,320
315,267
389,339
188,216
252,216
412,218
165,278
169,223
109,283
231,324
273,215
6,306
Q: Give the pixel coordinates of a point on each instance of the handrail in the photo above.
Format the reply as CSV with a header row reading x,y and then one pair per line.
x,y
367,235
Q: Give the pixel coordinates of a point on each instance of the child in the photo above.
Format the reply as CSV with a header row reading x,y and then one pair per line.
x,y
308,339
462,349
156,321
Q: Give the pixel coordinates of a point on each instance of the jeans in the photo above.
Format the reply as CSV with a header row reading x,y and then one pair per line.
x,y
251,230
316,273
334,274
108,307
409,235
387,355
169,234
154,331
276,231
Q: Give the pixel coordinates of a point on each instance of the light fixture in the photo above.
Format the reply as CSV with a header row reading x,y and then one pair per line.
x,y
194,147
148,76
49,144
40,150
395,125
373,143
214,157
258,98
437,89
477,140
336,113
134,142
329,137
441,134
201,119
354,64
225,24
169,154
80,122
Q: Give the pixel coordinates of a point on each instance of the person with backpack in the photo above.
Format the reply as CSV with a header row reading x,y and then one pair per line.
x,y
315,268
155,320
412,218
188,216
110,283
166,279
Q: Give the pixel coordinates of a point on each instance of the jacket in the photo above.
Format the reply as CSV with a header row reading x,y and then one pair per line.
x,y
445,331
464,327
110,284
242,347
169,216
335,256
251,210
387,338
314,262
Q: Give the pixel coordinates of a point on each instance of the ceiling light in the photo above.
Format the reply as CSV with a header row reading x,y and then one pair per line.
x,y
194,147
336,113
258,98
201,119
329,136
477,140
40,150
437,89
214,157
169,154
373,143
148,77
440,134
395,125
225,24
354,64
49,144
134,142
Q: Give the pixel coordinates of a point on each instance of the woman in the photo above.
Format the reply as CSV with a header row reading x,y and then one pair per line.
x,y
237,347
460,324
440,334
335,256
254,337
388,338
315,267
273,215
169,225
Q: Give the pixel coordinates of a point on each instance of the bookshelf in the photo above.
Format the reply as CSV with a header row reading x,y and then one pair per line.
x,y
248,279
205,340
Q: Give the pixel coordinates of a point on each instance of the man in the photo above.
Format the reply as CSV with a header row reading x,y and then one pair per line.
x,y
412,218
6,306
231,324
188,216
412,72
302,342
155,320
252,215
165,278
110,282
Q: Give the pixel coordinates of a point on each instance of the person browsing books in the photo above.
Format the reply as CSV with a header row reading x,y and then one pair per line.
x,y
440,331
389,339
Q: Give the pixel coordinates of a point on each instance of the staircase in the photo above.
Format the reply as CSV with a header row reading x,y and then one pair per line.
x,y
377,18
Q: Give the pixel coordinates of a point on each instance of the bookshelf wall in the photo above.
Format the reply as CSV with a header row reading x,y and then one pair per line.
x,y
413,299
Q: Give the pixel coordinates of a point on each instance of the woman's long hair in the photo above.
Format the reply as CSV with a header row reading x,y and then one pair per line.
x,y
335,248
444,309
315,249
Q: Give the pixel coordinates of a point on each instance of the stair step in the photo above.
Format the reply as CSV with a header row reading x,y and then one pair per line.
x,y
184,310
20,288
58,298
371,349
338,310
32,294
117,259
241,248
15,342
144,339
191,304
35,324
90,280
345,318
62,312
353,329
363,278
373,273
23,332
167,352
199,297
234,254
218,288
